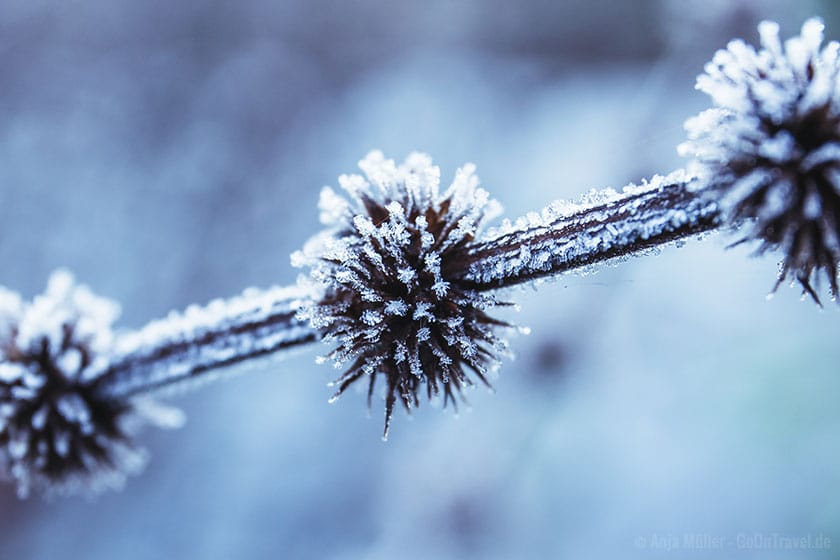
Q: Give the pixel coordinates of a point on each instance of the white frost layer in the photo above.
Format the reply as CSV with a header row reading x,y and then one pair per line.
x,y
564,209
63,303
777,83
574,232
202,337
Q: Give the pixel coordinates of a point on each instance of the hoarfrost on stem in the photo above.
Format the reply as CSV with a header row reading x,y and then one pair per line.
x,y
603,225
184,347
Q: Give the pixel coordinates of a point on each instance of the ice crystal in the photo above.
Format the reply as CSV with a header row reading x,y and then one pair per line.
x,y
390,301
770,148
56,434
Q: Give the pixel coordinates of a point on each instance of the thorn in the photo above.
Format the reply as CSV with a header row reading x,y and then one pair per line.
x,y
808,290
737,243
779,280
389,410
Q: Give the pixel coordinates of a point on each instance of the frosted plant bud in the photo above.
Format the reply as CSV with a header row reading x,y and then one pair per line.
x,y
400,236
769,150
56,435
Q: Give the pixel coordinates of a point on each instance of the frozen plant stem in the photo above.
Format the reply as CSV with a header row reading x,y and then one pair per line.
x,y
623,225
185,347
404,277
73,392
409,272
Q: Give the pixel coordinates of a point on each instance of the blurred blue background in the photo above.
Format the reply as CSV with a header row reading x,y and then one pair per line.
x,y
172,152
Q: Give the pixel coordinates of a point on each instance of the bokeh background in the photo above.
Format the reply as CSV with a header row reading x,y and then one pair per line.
x,y
172,152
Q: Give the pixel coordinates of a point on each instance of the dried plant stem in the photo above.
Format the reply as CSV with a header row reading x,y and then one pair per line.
x,y
184,347
625,225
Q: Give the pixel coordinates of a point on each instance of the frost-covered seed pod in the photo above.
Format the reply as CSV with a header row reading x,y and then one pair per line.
x,y
769,150
388,297
57,436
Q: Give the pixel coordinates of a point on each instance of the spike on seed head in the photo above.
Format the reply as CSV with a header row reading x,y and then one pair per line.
x,y
769,150
56,435
389,299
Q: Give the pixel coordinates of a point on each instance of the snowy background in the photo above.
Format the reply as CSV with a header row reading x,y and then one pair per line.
x,y
172,152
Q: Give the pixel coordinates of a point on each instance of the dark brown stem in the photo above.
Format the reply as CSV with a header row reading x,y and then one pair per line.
x,y
185,347
622,226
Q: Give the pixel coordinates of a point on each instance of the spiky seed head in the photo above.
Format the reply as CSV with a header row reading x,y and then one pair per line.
x,y
769,150
56,434
389,300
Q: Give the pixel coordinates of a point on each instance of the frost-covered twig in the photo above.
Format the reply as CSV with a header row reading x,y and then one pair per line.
x,y
73,392
767,161
183,347
405,276
606,225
